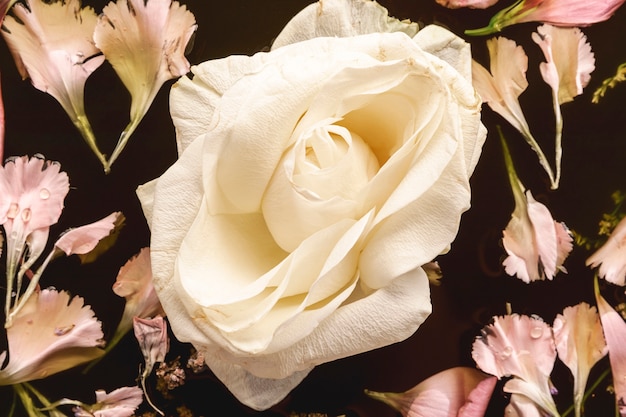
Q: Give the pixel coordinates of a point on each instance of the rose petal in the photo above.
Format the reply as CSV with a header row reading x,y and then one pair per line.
x,y
340,18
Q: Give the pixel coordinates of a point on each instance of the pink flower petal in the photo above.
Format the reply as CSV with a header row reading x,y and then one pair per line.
x,y
145,41
472,4
51,334
153,341
84,239
556,12
545,235
460,391
515,345
522,406
507,81
522,347
121,402
611,257
53,46
614,328
580,344
134,282
569,60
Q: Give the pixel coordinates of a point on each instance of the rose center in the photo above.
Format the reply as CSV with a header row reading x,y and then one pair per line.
x,y
333,162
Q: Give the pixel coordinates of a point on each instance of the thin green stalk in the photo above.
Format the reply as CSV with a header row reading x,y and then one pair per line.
x,y
589,391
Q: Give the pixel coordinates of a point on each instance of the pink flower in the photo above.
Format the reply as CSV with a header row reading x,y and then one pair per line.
x,y
569,60
51,334
614,328
144,40
536,244
134,283
569,63
611,257
555,12
52,44
472,4
501,89
31,200
121,402
153,341
580,345
463,392
521,347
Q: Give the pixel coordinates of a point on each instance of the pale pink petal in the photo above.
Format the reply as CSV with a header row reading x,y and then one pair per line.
x,y
521,347
614,328
507,81
537,245
33,192
568,13
611,257
52,44
545,235
556,12
569,60
51,334
478,399
472,4
565,244
153,341
445,394
519,238
580,344
145,41
84,239
522,406
134,282
121,402
519,243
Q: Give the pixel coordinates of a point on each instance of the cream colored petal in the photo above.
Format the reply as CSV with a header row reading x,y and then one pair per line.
x,y
393,312
446,46
419,231
210,80
340,18
144,42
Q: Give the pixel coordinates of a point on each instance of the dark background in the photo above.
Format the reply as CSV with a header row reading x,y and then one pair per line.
x,y
474,287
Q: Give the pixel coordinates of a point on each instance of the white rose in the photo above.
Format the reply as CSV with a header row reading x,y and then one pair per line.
x,y
313,183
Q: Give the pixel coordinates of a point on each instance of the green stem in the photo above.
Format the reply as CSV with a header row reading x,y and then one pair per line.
x,y
589,391
84,127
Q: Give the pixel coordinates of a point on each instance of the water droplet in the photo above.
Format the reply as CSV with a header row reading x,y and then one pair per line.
x,y
60,331
536,332
29,321
27,214
506,353
44,374
13,210
44,194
